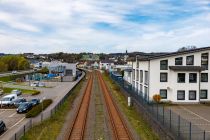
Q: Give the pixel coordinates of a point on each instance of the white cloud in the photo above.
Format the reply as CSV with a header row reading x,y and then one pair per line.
x,y
67,25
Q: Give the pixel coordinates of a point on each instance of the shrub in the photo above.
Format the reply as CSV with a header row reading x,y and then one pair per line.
x,y
35,93
36,110
157,98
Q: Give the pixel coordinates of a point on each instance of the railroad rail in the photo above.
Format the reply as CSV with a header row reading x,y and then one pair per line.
x,y
120,129
78,127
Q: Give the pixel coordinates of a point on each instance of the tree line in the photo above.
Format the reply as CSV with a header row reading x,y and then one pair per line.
x,y
13,62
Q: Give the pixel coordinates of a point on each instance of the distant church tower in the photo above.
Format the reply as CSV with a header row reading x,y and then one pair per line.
x,y
126,55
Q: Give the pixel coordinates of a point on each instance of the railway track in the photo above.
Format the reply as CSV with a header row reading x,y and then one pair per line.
x,y
78,127
120,129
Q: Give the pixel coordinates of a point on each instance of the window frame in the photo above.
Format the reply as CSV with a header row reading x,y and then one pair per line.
x,y
206,93
179,60
166,92
161,65
180,91
206,76
195,79
166,76
178,78
195,94
146,77
205,66
187,62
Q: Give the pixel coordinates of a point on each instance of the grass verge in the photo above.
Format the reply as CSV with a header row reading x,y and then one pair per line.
x,y
142,128
36,110
7,90
50,128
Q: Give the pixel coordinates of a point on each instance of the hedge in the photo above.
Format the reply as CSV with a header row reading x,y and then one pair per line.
x,y
36,110
36,93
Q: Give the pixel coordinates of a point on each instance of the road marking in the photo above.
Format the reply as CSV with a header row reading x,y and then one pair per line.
x,y
2,112
17,123
12,115
195,114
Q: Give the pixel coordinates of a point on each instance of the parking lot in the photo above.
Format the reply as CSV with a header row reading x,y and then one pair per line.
x,y
197,114
11,118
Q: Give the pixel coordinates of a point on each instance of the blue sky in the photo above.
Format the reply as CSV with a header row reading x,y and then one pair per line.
x,y
48,26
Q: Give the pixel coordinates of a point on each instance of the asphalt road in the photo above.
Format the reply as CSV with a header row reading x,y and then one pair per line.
x,y
18,72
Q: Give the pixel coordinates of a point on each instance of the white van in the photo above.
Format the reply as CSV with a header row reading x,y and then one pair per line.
x,y
7,100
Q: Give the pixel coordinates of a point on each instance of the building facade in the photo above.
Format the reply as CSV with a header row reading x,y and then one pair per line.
x,y
179,77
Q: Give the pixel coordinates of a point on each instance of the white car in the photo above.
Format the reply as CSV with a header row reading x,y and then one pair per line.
x,y
41,84
16,91
7,100
35,84
14,72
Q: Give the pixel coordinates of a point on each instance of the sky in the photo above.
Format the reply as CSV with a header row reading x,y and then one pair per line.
x,y
103,26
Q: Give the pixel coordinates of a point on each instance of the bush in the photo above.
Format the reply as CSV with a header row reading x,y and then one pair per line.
x,y
157,98
36,93
36,110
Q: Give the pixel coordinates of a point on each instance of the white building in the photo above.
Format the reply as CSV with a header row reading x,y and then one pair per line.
x,y
106,64
180,77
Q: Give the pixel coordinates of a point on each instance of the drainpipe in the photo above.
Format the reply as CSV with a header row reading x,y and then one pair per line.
x,y
148,80
199,86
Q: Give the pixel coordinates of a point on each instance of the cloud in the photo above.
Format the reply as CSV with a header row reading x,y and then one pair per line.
x,y
106,26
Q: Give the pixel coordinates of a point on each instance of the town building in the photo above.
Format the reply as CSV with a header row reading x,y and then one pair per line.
x,y
178,77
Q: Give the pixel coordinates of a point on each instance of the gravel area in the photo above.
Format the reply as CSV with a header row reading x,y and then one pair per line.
x,y
69,121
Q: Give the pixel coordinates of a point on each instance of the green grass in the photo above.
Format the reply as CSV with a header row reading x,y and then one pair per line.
x,y
5,79
142,128
50,128
24,91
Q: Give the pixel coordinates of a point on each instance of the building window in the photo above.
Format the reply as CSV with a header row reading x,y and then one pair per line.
x,y
164,65
141,88
181,78
133,74
178,61
192,95
141,76
137,75
180,95
145,92
203,94
204,77
192,77
137,63
163,77
190,60
204,60
163,94
146,79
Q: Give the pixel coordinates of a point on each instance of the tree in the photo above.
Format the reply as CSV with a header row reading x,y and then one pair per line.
x,y
3,67
187,48
157,98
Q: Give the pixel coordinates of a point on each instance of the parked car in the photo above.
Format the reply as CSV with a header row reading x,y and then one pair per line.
x,y
14,72
7,100
18,101
2,126
35,84
24,107
16,91
34,101
41,84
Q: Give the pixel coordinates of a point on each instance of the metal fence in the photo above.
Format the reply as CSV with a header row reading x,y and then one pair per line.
x,y
43,116
170,124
